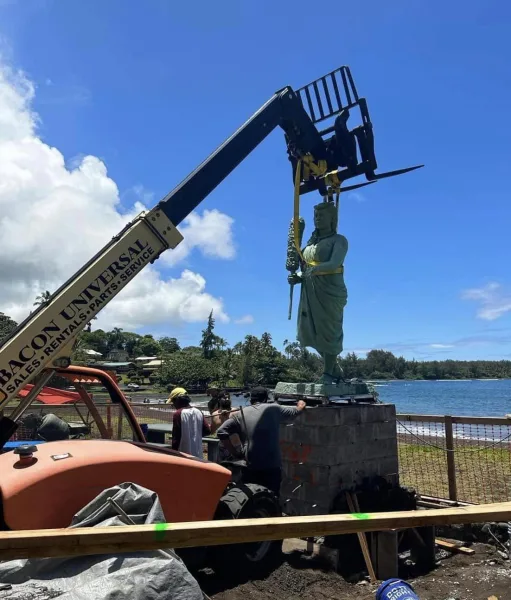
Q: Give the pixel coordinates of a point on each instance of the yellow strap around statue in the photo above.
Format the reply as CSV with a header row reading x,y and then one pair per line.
x,y
296,210
296,214
337,271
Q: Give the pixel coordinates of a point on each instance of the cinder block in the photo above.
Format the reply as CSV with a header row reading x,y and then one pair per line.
x,y
314,494
348,414
331,479
386,466
296,507
305,433
337,455
333,449
313,474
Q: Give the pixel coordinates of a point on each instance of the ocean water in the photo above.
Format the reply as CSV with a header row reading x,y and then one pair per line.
x,y
480,398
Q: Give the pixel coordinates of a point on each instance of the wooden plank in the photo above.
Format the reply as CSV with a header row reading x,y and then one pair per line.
x,y
506,420
454,547
435,499
421,418
99,540
385,554
354,508
423,553
451,466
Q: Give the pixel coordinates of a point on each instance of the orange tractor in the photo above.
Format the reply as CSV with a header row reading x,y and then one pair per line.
x,y
63,476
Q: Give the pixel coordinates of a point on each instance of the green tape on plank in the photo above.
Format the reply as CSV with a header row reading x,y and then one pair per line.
x,y
361,516
159,530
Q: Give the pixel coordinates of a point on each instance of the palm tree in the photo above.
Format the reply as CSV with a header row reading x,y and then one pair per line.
x,y
293,350
42,298
116,338
266,341
220,343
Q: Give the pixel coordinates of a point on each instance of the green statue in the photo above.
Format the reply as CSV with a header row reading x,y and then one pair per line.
x,y
323,294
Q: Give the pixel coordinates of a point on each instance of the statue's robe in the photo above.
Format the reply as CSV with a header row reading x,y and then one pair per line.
x,y
323,295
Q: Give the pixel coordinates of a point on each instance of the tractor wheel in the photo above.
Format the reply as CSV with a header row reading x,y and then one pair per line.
x,y
247,501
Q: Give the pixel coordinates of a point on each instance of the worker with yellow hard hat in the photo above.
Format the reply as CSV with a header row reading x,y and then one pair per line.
x,y
188,424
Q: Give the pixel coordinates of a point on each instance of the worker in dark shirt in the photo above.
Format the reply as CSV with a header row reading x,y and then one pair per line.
x,y
252,434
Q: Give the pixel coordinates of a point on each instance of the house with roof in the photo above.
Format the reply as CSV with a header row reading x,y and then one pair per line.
x,y
117,366
117,355
142,360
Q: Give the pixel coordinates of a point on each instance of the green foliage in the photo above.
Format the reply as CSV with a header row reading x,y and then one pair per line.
x,y
133,343
129,341
96,340
169,345
7,325
187,369
381,364
207,342
255,360
210,342
193,349
147,346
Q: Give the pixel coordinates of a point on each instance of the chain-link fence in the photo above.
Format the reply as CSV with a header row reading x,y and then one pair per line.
x,y
112,416
83,424
466,459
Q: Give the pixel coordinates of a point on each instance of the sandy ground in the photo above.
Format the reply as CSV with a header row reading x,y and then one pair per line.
x,y
457,577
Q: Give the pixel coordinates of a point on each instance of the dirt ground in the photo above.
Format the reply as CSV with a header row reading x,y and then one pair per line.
x,y
457,577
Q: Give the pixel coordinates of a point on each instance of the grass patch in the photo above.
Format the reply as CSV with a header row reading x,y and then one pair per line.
x,y
483,474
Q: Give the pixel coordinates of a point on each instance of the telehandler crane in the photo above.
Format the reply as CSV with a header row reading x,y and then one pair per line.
x,y
68,474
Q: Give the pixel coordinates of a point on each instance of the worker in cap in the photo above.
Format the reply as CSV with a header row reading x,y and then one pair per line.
x,y
175,393
252,434
188,424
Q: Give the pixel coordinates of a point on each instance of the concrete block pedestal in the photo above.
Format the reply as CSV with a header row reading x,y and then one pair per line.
x,y
331,449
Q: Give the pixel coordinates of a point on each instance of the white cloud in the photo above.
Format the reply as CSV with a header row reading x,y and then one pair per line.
x,y
211,233
360,352
54,217
493,299
171,301
440,346
246,320
143,194
357,196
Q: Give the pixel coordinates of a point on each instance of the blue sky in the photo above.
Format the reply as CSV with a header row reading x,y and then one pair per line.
x,y
152,87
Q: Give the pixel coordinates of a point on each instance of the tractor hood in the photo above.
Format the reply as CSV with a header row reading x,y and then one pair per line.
x,y
46,490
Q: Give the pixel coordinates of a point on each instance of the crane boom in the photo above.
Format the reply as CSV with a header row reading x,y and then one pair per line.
x,y
45,339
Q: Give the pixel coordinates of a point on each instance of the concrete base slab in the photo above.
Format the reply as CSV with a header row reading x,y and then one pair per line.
x,y
320,390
